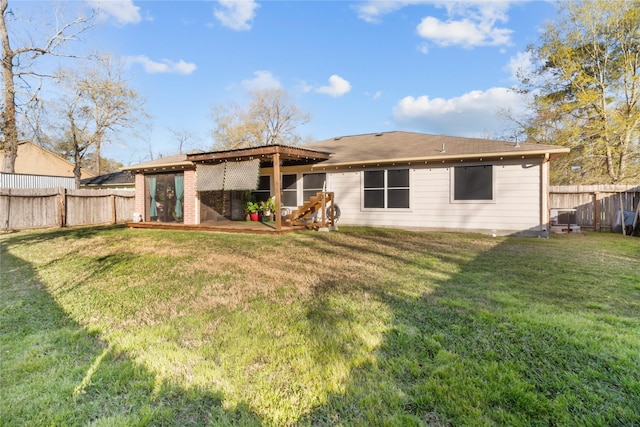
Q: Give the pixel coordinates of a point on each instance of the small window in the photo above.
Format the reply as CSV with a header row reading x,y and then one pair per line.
x,y
386,189
473,183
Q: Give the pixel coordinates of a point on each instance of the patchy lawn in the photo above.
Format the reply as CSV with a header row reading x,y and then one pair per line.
x,y
112,326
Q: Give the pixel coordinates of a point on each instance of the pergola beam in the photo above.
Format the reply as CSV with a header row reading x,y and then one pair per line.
x,y
265,153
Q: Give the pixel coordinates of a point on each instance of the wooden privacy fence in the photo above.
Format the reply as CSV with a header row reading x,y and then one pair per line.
x,y
597,206
59,207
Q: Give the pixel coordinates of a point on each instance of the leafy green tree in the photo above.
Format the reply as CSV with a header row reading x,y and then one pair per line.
x,y
586,91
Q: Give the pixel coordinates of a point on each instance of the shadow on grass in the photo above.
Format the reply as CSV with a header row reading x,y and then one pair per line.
x,y
475,332
55,372
499,341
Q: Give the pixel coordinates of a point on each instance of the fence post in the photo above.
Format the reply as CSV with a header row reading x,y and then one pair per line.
x,y
112,198
624,232
62,206
8,207
596,210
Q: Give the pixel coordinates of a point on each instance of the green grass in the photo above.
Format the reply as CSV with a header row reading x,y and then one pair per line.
x,y
110,326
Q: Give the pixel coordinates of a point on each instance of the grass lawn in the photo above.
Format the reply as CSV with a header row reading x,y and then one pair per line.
x,y
109,326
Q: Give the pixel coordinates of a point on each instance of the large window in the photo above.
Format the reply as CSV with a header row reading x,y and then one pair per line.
x,y
312,183
386,189
263,192
289,190
473,183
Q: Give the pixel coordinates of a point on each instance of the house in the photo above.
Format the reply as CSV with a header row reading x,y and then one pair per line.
x,y
389,179
33,159
121,180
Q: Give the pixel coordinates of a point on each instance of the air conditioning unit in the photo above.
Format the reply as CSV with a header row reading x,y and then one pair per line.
x,y
563,220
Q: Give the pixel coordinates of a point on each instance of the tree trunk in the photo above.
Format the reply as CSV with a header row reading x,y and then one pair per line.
x,y
98,156
10,129
77,171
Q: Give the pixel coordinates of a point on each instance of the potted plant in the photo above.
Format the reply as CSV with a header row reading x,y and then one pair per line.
x,y
267,207
252,209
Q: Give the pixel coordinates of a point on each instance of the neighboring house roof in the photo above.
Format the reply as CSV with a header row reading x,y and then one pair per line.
x,y
114,179
402,147
33,159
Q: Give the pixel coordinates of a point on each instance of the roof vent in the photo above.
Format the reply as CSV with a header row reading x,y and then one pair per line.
x,y
337,138
379,134
443,150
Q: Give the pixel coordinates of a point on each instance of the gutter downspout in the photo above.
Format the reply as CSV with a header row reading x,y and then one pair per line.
x,y
544,196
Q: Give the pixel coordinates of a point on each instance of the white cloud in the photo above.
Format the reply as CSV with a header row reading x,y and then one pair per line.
x,y
236,14
303,86
477,25
518,64
262,80
337,87
464,32
123,11
165,66
473,114
374,96
470,23
372,11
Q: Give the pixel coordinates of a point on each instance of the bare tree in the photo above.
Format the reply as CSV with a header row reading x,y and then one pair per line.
x,y
18,65
270,118
99,104
112,105
186,139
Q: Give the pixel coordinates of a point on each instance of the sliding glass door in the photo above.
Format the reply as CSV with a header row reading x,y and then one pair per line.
x,y
164,195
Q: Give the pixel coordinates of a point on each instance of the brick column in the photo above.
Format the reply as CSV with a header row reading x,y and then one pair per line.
x,y
139,204
191,201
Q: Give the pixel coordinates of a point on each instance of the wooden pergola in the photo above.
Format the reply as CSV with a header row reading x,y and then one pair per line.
x,y
275,155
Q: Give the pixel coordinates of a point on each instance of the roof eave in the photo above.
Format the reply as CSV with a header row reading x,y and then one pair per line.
x,y
551,154
160,167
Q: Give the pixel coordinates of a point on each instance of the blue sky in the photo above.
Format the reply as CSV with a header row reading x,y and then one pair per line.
x,y
357,67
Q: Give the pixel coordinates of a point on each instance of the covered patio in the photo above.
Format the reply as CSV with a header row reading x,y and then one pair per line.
x,y
229,170
271,156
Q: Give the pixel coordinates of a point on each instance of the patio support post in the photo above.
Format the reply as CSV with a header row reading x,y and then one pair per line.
x,y
277,185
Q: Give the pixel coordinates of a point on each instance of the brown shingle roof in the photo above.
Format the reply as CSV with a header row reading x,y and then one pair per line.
x,y
397,147
384,148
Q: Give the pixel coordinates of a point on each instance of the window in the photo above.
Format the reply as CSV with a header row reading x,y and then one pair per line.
x,y
312,183
263,192
289,190
473,182
386,189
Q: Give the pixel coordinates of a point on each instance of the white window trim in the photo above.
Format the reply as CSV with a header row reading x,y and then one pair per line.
x,y
386,188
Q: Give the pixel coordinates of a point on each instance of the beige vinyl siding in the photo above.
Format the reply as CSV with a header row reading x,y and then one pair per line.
x,y
516,206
